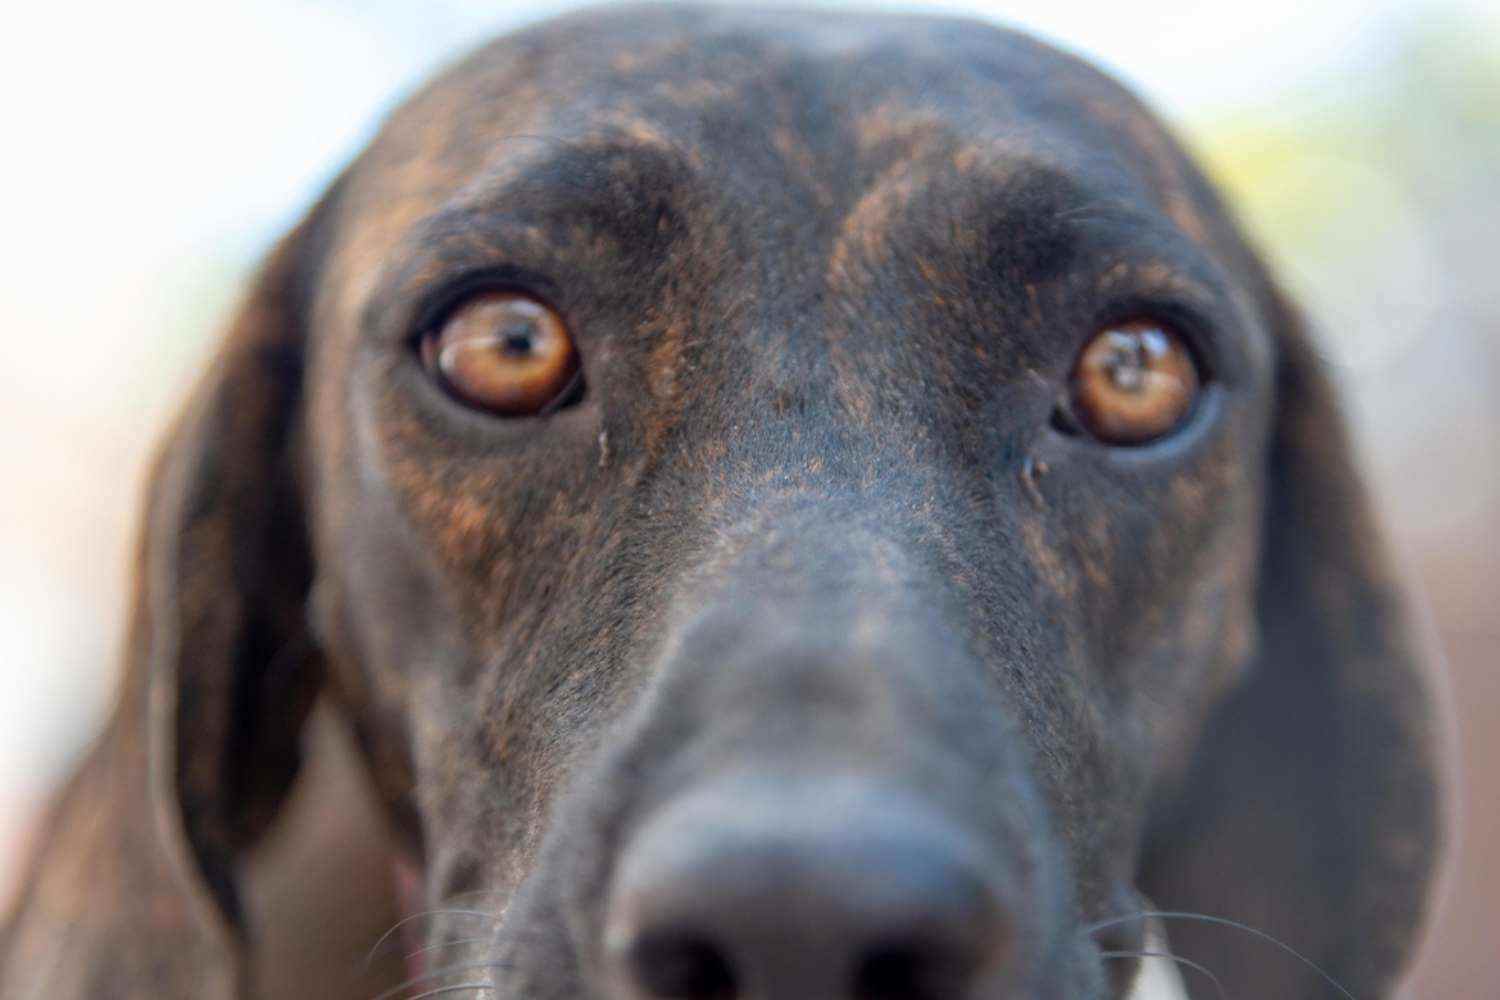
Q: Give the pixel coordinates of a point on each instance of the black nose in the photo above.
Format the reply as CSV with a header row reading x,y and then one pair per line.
x,y
831,892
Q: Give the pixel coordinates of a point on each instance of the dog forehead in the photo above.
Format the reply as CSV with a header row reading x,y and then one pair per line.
x,y
798,113
800,91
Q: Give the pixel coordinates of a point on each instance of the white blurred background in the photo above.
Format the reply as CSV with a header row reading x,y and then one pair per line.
x,y
157,148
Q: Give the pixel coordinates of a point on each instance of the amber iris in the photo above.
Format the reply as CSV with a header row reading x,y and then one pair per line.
x,y
1133,383
504,353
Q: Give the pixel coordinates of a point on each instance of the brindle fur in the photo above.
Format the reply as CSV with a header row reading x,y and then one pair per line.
x,y
827,275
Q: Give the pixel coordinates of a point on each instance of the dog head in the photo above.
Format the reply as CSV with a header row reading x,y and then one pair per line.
x,y
792,505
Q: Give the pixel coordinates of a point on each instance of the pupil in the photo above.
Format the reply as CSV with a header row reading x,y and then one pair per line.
x,y
1127,368
516,342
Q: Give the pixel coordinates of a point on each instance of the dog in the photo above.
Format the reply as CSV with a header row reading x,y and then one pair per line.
x,y
786,505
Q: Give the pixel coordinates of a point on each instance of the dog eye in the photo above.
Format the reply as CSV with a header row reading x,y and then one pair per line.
x,y
1133,383
505,353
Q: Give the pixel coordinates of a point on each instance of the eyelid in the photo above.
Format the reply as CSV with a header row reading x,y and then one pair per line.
x,y
438,263
1196,327
1183,441
436,305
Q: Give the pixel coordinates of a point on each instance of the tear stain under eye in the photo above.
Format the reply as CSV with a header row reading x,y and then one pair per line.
x,y
1032,471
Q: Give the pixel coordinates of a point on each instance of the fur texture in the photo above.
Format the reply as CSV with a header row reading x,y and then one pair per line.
x,y
809,520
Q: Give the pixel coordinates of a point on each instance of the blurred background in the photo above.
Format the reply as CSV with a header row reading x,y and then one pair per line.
x,y
157,148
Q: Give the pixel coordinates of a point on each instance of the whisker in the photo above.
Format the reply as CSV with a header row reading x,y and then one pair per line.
x,y
1085,211
1226,922
446,970
1186,962
445,944
375,948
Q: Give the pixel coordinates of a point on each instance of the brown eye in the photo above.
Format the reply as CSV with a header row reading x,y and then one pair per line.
x,y
505,353
1133,383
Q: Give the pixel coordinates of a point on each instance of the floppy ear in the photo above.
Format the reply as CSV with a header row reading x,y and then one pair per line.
x,y
133,892
1312,811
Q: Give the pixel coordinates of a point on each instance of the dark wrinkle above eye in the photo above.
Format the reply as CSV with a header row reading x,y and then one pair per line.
x,y
1091,233
1033,237
622,196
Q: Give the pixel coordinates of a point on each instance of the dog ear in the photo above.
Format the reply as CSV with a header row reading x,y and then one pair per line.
x,y
134,891
1312,812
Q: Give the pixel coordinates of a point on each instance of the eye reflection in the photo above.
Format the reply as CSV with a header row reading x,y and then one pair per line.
x,y
1133,383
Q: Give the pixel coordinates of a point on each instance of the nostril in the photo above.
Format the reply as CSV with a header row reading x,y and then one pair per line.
x,y
681,967
907,972
832,890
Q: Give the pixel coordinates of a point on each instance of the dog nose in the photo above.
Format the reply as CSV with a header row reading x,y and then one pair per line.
x,y
827,894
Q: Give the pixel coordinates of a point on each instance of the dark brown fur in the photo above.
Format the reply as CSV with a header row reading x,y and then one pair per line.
x,y
827,275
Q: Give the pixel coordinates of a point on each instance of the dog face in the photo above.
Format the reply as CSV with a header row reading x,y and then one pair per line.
x,y
810,524
795,508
